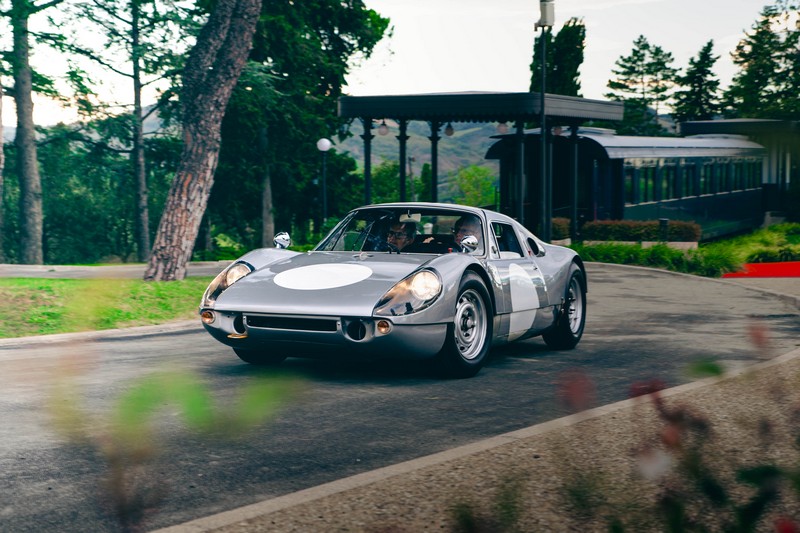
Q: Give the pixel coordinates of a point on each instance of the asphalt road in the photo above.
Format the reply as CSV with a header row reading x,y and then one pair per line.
x,y
353,417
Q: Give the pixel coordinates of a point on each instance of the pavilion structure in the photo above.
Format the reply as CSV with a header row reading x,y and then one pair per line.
x,y
514,109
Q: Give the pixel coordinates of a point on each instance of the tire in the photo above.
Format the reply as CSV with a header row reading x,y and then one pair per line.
x,y
469,336
571,320
259,358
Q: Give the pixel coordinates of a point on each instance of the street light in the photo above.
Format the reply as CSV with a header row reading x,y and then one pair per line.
x,y
323,145
546,20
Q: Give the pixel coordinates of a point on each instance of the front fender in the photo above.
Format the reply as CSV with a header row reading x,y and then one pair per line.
x,y
451,268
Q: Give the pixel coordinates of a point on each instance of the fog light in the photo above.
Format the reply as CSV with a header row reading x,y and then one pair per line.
x,y
384,327
207,316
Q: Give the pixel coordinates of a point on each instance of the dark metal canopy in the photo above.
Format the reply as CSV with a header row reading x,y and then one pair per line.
x,y
477,107
438,109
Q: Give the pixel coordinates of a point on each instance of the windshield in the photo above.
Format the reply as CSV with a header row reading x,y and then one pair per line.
x,y
405,230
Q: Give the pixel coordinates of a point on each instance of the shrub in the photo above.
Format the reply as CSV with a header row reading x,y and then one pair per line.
x,y
711,262
625,254
784,253
662,256
561,228
639,230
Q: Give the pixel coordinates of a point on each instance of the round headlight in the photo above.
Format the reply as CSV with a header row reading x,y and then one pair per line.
x,y
425,285
235,273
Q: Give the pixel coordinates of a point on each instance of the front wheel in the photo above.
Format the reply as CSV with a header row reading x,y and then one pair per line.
x,y
259,358
469,336
568,330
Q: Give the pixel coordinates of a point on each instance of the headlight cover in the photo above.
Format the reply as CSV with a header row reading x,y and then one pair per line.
x,y
410,295
224,279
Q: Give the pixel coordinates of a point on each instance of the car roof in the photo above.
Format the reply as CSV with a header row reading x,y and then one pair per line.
x,y
434,205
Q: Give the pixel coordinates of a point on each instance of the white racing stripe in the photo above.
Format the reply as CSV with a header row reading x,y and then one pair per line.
x,y
316,277
524,301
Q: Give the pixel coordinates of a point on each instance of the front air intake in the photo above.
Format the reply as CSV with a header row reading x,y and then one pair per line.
x,y
357,330
291,323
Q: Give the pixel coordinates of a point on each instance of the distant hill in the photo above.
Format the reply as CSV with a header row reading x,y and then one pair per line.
x,y
467,146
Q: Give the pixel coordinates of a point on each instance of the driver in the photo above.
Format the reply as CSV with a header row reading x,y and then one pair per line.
x,y
401,234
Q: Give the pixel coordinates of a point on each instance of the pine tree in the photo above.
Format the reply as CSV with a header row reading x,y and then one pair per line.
x,y
564,58
699,99
787,74
753,90
643,81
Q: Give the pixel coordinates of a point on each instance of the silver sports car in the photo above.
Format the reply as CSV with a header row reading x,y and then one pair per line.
x,y
404,280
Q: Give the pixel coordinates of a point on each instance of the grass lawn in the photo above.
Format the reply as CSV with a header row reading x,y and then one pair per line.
x,y
45,306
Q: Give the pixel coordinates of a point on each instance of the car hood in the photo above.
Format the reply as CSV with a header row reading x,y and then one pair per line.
x,y
320,283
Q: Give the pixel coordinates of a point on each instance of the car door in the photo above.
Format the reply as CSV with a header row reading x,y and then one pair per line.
x,y
524,290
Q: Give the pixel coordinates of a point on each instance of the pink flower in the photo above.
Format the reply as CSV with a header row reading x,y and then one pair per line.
x,y
786,525
576,390
644,388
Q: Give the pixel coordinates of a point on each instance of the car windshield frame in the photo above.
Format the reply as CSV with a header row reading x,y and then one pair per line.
x,y
366,230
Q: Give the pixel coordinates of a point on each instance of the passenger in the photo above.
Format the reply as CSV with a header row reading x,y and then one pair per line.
x,y
467,225
401,234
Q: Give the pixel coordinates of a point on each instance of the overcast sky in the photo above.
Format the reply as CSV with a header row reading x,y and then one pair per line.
x,y
481,45
487,45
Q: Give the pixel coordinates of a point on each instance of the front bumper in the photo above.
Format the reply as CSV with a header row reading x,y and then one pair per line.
x,y
323,336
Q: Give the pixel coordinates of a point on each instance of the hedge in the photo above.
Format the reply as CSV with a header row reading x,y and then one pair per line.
x,y
639,230
560,227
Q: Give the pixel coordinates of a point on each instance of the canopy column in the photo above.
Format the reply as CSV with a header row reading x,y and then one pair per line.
x,y
403,138
367,136
435,127
519,172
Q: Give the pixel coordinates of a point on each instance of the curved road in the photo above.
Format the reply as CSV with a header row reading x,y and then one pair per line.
x,y
353,417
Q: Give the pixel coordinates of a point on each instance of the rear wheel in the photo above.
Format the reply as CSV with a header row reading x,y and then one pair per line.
x,y
258,357
466,348
568,330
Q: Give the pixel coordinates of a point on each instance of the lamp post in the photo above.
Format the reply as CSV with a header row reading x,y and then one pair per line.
x,y
323,145
546,20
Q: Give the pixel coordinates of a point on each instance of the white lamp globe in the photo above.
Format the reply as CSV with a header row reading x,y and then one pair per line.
x,y
323,145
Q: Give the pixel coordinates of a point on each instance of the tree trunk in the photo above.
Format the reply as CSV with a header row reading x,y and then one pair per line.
x,y
30,183
210,75
2,166
267,218
142,212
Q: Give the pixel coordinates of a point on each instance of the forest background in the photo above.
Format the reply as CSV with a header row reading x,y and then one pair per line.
x,y
94,190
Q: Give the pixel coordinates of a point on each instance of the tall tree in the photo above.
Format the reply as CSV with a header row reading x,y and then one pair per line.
x,y
301,54
643,80
30,182
767,84
698,98
144,42
564,59
2,166
210,75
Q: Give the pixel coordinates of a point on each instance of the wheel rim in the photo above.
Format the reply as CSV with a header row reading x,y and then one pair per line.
x,y
470,324
575,306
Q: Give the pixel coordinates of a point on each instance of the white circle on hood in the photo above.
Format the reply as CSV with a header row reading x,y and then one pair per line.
x,y
315,277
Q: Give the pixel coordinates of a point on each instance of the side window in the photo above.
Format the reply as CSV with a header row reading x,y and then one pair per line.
x,y
533,247
507,242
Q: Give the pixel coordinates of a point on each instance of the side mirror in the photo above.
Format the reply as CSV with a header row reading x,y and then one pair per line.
x,y
282,240
469,243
